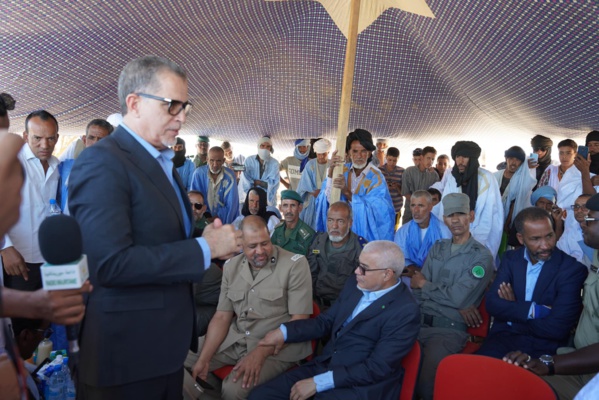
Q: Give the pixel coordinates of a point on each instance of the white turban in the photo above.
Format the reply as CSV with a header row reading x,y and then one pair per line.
x,y
322,146
265,139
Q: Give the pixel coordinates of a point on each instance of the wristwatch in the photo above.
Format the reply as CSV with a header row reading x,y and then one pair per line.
x,y
548,361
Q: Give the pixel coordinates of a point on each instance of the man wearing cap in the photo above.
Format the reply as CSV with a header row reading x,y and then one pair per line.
x,y
363,186
454,277
574,366
535,297
379,155
294,165
185,166
202,146
515,185
311,181
292,234
333,255
393,175
219,185
262,288
418,178
482,189
417,236
261,170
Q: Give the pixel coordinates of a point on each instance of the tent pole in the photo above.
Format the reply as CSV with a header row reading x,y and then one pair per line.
x,y
346,90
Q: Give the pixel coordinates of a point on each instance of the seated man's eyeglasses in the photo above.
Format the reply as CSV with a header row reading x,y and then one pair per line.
x,y
174,106
577,207
589,219
363,268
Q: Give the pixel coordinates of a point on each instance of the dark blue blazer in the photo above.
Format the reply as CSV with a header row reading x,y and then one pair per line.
x,y
139,319
365,354
558,286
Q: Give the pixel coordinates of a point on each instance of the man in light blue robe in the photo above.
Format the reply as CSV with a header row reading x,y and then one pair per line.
x,y
218,185
184,165
311,181
364,187
261,170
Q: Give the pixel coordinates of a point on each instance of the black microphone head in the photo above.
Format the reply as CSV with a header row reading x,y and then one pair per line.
x,y
60,239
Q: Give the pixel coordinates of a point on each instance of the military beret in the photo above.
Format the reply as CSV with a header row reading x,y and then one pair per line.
x,y
291,195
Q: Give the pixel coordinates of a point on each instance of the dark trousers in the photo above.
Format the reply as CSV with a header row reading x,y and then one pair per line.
x,y
166,387
33,283
280,387
498,344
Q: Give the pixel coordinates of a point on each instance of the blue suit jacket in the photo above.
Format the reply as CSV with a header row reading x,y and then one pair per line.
x,y
366,353
558,287
139,321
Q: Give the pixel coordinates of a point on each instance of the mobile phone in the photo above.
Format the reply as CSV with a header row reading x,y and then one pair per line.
x,y
534,157
202,383
583,151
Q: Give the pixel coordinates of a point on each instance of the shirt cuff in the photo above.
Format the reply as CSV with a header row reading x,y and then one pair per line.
x,y
324,382
7,242
206,250
531,311
283,329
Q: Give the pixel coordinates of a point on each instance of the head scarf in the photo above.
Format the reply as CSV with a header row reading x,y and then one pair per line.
x,y
468,181
361,135
516,152
546,192
322,146
296,152
537,142
179,158
245,211
593,136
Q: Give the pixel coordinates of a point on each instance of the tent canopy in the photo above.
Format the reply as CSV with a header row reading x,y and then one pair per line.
x,y
490,71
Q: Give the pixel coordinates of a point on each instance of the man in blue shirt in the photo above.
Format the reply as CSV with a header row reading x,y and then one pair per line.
x,y
535,297
372,326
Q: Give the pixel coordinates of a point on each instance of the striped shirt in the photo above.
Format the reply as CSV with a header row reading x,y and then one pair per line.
x,y
394,176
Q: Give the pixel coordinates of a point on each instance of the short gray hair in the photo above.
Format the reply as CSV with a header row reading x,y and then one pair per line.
x,y
389,255
423,193
140,75
343,204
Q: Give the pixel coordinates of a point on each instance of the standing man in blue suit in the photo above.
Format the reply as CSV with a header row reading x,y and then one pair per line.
x,y
218,184
136,225
372,326
535,297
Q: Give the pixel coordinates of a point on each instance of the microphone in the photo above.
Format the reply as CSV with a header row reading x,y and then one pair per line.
x,y
66,267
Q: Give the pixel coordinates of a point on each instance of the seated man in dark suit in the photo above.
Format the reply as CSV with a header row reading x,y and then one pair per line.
x,y
535,298
372,326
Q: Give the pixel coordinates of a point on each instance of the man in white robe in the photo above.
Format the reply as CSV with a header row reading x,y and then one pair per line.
x,y
311,181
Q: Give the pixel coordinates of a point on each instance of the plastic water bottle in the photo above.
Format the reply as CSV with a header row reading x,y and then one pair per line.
x,y
54,209
55,385
71,394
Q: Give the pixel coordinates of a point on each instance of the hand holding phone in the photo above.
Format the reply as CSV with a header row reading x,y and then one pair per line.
x,y
583,151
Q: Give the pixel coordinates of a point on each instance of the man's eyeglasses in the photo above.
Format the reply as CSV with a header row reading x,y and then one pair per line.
x,y
46,332
577,207
363,268
198,206
174,106
589,219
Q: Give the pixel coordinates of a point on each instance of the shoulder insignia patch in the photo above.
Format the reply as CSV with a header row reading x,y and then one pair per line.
x,y
296,257
363,242
304,233
315,251
478,272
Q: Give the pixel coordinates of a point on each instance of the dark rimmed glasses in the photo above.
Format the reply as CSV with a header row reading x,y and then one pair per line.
x,y
174,106
363,268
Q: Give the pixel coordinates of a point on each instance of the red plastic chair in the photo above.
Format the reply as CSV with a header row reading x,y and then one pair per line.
x,y
411,365
481,332
223,372
468,376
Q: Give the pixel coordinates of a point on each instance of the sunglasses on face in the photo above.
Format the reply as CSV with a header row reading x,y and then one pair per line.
x,y
174,106
198,206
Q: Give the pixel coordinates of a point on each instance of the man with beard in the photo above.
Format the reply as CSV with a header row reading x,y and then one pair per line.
x,y
261,170
515,186
541,145
333,255
294,165
481,187
311,180
293,234
417,236
202,146
262,288
219,185
363,186
184,166
574,366
535,297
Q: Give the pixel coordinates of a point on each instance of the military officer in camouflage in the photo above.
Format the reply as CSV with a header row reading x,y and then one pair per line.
x,y
333,255
293,234
454,277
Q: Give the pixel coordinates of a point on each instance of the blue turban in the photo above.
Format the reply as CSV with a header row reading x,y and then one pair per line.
x,y
546,192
